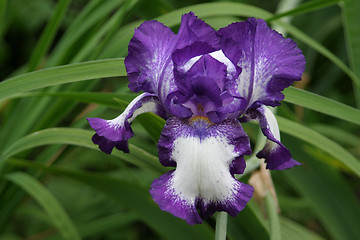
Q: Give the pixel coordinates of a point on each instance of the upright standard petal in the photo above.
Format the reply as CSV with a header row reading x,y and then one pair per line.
x,y
192,29
206,156
200,87
149,64
276,155
201,73
149,53
269,62
116,132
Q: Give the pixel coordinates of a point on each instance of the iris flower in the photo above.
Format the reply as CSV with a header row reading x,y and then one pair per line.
x,y
204,83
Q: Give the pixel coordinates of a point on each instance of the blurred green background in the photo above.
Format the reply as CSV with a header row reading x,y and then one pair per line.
x,y
55,184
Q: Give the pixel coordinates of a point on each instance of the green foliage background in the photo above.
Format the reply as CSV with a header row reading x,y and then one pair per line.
x,y
62,61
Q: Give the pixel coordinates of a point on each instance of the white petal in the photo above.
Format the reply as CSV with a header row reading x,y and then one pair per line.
x,y
136,107
220,56
203,168
272,123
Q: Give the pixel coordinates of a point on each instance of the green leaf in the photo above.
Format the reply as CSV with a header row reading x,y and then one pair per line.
x,y
324,188
316,139
337,134
248,224
3,6
107,29
48,35
114,100
60,75
320,49
105,224
351,19
153,124
322,104
294,231
304,8
93,13
214,9
55,211
79,137
172,19
134,197
275,230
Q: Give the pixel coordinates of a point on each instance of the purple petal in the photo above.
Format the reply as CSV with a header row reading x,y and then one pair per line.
x,y
107,146
167,199
116,132
206,156
241,196
185,58
148,60
269,62
111,130
149,64
200,87
199,70
276,155
192,29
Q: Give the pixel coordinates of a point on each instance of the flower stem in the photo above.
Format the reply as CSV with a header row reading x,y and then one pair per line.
x,y
221,225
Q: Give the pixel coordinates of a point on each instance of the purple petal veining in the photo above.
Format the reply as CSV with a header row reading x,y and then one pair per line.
x,y
206,157
269,62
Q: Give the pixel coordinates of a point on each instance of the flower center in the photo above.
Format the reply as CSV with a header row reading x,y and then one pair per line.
x,y
200,126
200,122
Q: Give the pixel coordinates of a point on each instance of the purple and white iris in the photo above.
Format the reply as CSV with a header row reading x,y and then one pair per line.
x,y
204,83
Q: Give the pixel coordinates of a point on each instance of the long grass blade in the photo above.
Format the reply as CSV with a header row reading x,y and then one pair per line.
x,y
305,8
53,208
107,29
351,18
60,75
329,196
79,137
88,19
136,198
48,35
248,224
320,49
294,231
275,230
337,134
107,223
316,139
322,104
113,100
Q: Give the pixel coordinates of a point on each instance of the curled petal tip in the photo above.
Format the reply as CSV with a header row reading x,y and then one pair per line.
x,y
106,145
277,157
116,132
